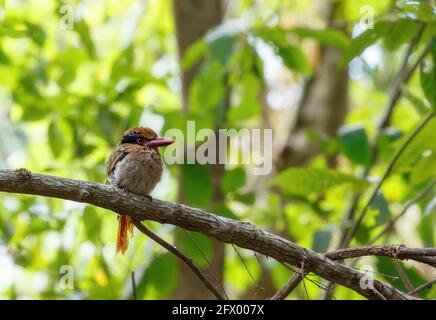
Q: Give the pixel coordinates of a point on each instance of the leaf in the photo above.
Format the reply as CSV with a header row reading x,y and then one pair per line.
x,y
56,139
387,270
160,276
423,170
248,104
418,10
36,33
294,58
321,240
233,179
418,103
190,248
83,30
354,142
221,49
381,205
291,55
328,36
402,31
196,184
207,89
428,76
426,230
224,211
193,54
92,224
430,208
364,40
305,181
423,142
246,198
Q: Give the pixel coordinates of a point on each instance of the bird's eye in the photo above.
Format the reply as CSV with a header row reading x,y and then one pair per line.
x,y
140,141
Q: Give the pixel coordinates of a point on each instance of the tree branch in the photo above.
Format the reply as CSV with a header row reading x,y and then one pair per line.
x,y
423,287
395,251
243,234
388,170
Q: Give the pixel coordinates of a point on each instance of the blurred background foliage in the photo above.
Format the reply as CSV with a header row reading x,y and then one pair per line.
x,y
76,74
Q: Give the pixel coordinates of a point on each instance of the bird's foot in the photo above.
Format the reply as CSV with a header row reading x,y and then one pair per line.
x,y
148,197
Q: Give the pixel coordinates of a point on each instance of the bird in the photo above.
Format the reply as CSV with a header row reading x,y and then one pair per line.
x,y
135,166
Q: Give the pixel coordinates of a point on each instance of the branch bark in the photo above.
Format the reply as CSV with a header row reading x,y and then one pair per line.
x,y
242,234
400,252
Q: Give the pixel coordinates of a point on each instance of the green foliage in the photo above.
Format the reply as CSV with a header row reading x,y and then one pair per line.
x,y
354,142
428,76
68,94
326,36
197,185
305,181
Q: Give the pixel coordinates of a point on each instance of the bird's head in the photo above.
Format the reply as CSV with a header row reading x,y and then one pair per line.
x,y
144,137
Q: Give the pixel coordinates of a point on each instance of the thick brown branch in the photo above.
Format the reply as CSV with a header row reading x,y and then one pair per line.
x,y
242,234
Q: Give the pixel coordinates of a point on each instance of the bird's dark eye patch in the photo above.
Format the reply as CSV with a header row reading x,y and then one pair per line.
x,y
131,137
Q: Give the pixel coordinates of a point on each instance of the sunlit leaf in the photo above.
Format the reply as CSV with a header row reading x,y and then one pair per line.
x,y
305,181
331,37
364,40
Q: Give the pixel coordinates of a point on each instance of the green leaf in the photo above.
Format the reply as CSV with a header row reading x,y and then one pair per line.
x,y
364,40
233,179
387,270
418,103
221,49
224,211
207,89
193,54
195,251
418,10
36,33
321,240
423,143
305,181
381,205
92,224
293,58
83,30
56,139
423,170
291,55
428,76
247,198
247,92
430,208
196,184
328,36
354,142
402,31
160,276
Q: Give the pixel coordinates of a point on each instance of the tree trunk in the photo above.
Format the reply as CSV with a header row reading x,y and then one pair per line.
x,y
193,18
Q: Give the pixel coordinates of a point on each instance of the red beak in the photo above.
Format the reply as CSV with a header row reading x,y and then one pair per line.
x,y
159,142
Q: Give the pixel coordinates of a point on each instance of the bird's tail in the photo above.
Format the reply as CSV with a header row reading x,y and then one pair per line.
x,y
125,228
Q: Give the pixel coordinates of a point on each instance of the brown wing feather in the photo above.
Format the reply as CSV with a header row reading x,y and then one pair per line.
x,y
113,159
